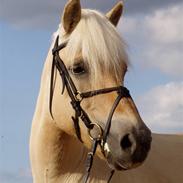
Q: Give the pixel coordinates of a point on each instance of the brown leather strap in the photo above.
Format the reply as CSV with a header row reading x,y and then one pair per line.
x,y
89,161
73,93
121,89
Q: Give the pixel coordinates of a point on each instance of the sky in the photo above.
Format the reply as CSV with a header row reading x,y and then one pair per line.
x,y
153,31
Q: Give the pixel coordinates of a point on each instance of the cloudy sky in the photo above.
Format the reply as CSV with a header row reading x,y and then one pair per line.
x,y
154,33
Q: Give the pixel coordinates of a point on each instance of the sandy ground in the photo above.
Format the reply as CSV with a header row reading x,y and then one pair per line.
x,y
164,163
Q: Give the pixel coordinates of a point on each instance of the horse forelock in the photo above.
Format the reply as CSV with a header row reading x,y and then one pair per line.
x,y
100,45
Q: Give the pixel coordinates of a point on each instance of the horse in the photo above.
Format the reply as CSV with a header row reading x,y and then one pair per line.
x,y
90,55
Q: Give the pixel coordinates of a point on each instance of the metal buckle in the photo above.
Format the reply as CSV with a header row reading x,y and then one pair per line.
x,y
78,97
100,132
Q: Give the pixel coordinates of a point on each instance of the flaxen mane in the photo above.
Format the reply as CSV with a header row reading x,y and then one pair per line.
x,y
92,39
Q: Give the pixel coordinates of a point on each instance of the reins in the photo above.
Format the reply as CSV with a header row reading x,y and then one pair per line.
x,y
76,99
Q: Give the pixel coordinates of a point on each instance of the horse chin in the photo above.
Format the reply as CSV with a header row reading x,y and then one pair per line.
x,y
117,166
120,165
115,163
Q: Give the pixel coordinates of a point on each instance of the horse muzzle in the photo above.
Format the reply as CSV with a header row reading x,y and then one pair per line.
x,y
131,152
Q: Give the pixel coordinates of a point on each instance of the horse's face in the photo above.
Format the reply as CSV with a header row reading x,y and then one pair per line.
x,y
129,139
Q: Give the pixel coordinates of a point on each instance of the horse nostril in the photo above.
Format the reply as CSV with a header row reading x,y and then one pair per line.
x,y
125,142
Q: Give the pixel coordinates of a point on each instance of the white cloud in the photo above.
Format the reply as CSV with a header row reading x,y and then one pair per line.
x,y
46,13
166,25
167,58
162,108
128,25
158,38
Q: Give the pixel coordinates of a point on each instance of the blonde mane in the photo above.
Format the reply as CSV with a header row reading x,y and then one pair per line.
x,y
100,45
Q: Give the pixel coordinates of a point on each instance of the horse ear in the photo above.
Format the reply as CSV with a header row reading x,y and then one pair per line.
x,y
71,15
115,13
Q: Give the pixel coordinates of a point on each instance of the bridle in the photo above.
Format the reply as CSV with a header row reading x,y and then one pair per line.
x,y
76,99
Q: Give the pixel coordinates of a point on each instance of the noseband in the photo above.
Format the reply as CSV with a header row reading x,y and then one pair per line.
x,y
76,99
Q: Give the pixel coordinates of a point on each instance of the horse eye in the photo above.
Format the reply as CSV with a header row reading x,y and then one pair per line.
x,y
78,69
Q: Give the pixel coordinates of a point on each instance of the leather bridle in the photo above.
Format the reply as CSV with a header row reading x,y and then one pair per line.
x,y
76,99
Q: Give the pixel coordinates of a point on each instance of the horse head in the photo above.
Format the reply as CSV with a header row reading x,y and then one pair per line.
x,y
95,58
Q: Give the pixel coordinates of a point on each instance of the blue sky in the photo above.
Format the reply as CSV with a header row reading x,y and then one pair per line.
x,y
21,65
153,32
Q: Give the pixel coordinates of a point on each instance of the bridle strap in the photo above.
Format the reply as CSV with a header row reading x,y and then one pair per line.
x,y
122,92
67,83
100,91
111,175
108,124
89,161
76,99
61,66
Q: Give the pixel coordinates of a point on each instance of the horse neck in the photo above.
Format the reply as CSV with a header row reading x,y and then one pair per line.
x,y
71,154
70,161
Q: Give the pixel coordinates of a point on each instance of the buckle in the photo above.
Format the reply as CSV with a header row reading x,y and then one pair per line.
x,y
78,96
98,134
